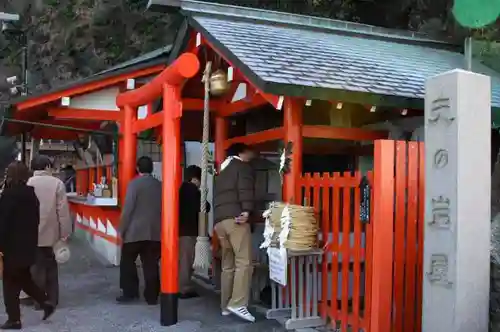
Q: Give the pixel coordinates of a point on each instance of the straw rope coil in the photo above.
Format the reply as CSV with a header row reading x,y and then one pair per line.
x,y
302,226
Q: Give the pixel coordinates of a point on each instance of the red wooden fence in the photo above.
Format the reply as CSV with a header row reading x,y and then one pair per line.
x,y
345,271
398,226
372,271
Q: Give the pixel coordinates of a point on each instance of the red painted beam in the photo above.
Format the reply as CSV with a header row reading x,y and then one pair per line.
x,y
85,114
85,88
193,104
351,134
242,106
152,121
257,138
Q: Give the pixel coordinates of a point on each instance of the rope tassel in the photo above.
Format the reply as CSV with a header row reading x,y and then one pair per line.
x,y
203,248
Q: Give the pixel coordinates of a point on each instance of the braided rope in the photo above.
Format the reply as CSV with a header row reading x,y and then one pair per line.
x,y
203,248
4,181
205,139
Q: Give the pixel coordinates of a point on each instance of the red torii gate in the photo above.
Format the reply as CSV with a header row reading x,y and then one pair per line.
x,y
169,85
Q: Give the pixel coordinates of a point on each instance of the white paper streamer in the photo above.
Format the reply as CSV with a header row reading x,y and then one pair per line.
x,y
282,162
285,226
268,229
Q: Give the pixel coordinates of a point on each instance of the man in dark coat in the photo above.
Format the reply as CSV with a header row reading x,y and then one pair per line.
x,y
189,209
140,229
233,208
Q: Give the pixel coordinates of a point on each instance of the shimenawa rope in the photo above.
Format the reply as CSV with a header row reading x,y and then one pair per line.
x,y
203,249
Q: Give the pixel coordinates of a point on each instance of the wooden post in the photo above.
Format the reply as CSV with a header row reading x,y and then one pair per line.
x,y
171,181
129,150
293,133
383,236
169,84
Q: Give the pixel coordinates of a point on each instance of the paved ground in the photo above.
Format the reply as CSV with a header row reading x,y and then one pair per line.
x,y
88,290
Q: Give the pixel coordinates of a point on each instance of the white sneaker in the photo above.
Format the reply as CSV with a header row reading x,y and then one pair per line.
x,y
243,313
225,312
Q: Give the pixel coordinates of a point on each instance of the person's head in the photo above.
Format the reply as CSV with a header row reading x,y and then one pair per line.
x,y
144,165
16,174
41,163
243,151
193,174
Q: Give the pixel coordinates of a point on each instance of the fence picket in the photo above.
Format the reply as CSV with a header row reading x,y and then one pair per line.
x,y
334,248
399,236
345,250
411,239
368,259
357,256
326,227
420,252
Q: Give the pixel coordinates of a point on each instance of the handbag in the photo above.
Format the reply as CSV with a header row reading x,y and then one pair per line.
x,y
62,252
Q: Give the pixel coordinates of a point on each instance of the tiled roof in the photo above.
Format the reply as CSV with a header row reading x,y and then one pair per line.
x,y
160,52
318,59
156,57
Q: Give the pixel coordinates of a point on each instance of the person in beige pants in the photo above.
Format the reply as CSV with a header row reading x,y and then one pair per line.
x,y
233,207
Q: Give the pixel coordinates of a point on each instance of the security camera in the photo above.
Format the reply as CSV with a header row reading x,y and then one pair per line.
x,y
12,80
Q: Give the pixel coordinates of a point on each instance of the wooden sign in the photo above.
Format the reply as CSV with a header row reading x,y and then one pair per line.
x,y
278,265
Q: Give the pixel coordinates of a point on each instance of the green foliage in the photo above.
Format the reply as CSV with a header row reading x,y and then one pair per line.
x,y
70,39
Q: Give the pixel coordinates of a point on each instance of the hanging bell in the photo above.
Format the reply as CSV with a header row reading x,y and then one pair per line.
x,y
218,83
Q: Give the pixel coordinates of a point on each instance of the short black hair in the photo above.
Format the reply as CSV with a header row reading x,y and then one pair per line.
x,y
145,165
192,172
41,162
237,148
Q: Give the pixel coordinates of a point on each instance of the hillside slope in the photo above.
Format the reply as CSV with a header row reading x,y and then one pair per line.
x,y
71,39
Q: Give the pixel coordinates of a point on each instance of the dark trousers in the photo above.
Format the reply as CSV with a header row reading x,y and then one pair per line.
x,y
46,275
14,280
149,252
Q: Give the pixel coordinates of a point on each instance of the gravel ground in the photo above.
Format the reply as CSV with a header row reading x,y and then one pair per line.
x,y
88,289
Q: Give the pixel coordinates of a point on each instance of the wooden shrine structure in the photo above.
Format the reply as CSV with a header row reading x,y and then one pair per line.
x,y
321,85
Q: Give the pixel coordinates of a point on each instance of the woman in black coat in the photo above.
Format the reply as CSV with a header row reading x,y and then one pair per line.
x,y
19,220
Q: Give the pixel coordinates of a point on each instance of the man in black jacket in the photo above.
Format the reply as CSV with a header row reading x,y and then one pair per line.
x,y
189,209
233,208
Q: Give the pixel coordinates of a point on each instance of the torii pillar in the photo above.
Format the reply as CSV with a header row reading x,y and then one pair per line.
x,y
169,85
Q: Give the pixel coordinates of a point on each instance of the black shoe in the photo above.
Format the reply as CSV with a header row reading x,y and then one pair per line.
x,y
122,299
152,302
48,310
9,325
189,295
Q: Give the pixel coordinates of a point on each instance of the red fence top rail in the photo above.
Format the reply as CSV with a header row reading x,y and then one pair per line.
x,y
345,179
186,66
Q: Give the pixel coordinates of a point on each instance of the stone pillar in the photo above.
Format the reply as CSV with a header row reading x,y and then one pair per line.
x,y
457,207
